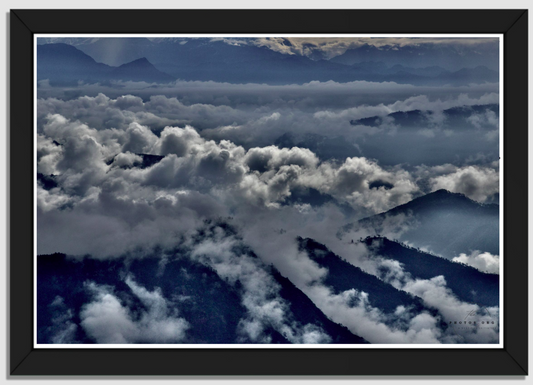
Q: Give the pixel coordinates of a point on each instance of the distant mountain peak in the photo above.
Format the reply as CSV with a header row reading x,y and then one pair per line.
x,y
452,196
141,69
62,51
443,193
444,222
64,63
141,62
440,198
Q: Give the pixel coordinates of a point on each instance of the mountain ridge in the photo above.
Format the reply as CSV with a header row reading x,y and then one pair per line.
x,y
217,61
64,64
442,222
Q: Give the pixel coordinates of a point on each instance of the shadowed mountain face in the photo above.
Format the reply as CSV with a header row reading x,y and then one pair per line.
x,y
469,284
307,313
213,307
217,310
64,64
343,276
445,223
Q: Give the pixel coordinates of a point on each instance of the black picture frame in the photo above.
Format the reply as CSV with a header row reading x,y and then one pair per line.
x,y
510,360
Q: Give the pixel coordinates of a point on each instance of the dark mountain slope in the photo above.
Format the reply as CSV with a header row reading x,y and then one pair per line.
x,y
216,312
469,284
344,276
212,306
306,312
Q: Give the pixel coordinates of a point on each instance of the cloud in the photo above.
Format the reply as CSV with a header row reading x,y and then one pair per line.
x,y
208,105
139,139
122,50
102,193
175,140
488,118
434,293
127,159
264,307
482,261
478,183
368,322
53,199
374,326
105,226
273,237
48,155
424,103
331,47
253,115
267,158
108,321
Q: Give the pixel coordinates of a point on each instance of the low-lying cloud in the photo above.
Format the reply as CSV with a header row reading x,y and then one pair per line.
x,y
482,261
109,321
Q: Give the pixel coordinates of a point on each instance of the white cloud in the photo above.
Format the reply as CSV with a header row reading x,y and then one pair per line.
x,y
108,321
331,47
488,118
369,322
482,261
477,183
265,308
434,293
127,159
139,139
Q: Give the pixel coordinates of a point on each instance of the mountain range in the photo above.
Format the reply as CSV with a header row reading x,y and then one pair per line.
x,y
206,60
117,51
423,55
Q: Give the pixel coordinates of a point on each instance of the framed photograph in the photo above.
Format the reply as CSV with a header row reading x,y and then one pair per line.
x,y
270,192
